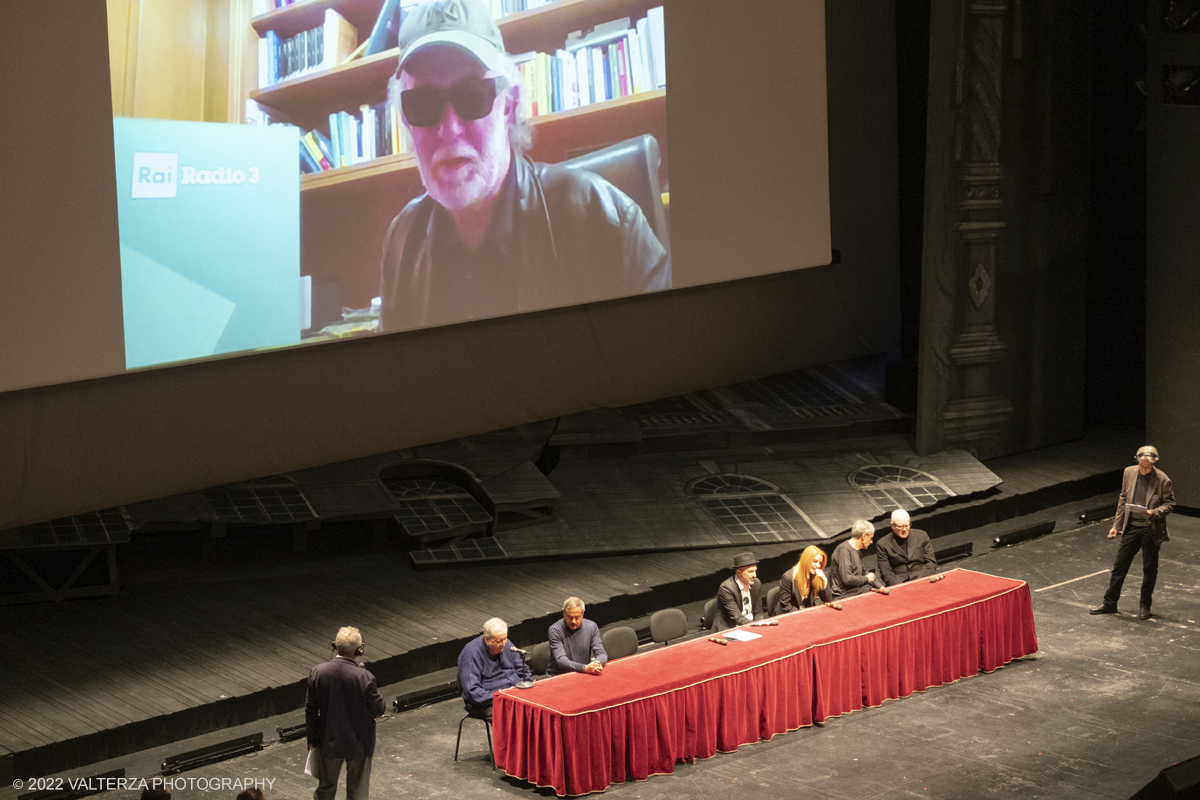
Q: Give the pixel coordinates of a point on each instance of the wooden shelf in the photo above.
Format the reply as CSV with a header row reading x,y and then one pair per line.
x,y
528,30
517,29
377,168
563,126
308,101
305,15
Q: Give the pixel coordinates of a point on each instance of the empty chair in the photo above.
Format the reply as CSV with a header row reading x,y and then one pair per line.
x,y
619,642
710,614
539,658
772,601
668,624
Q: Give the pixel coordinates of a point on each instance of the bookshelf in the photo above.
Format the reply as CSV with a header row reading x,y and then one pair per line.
x,y
345,212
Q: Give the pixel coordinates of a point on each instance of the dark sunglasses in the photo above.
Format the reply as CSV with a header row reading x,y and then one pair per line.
x,y
424,106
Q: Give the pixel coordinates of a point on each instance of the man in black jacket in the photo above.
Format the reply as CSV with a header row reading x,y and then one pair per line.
x,y
904,554
739,598
1146,499
340,710
496,233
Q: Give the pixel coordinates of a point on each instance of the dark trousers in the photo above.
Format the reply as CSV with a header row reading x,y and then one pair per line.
x,y
475,710
1132,540
358,778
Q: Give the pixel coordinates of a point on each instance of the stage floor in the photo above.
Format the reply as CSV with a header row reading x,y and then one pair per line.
x,y
191,648
1105,705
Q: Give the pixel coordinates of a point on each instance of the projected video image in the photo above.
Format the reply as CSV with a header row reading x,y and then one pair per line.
x,y
451,160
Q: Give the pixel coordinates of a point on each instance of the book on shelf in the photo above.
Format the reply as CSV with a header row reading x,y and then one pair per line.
x,y
261,7
310,143
613,60
308,164
654,23
374,133
505,8
385,33
319,48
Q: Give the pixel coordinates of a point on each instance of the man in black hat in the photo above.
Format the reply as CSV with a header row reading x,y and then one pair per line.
x,y
739,600
496,233
1141,522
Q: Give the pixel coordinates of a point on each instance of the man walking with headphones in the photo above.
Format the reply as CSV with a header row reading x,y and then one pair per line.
x,y
340,710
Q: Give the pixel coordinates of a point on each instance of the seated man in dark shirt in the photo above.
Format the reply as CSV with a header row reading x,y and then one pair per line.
x,y
496,233
904,554
575,644
486,664
846,577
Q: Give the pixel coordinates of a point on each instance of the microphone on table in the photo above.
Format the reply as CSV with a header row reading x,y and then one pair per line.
x,y
879,588
834,606
524,654
936,578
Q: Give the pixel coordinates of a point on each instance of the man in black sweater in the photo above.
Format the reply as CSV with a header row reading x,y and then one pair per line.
x,y
846,576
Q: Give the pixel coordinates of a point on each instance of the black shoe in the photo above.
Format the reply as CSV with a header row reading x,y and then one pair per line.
x,y
1143,612
1106,609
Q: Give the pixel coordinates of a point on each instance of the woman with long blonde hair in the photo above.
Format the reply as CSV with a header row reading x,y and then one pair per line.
x,y
805,584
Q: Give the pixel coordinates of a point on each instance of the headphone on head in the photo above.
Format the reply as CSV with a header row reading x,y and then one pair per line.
x,y
357,652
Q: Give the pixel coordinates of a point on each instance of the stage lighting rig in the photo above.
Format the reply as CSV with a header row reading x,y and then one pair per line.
x,y
212,754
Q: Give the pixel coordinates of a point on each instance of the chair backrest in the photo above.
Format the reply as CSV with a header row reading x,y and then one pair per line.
x,y
772,601
619,642
710,615
539,658
670,623
632,167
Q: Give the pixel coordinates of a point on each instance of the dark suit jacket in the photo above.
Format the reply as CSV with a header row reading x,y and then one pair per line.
x,y
897,566
729,604
340,709
1160,499
787,600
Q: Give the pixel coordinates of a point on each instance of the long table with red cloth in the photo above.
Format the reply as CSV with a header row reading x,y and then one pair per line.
x,y
579,733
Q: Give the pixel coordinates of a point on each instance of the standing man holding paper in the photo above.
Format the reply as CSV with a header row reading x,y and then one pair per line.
x,y
339,713
1141,521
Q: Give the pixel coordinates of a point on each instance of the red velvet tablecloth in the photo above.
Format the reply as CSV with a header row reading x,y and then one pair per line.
x,y
579,733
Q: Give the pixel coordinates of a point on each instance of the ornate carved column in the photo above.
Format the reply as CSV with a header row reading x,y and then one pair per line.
x,y
958,404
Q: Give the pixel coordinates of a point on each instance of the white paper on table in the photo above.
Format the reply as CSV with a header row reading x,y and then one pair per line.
x,y
741,636
310,764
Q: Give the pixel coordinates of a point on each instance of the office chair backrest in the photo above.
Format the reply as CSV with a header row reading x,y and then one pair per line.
x,y
668,624
632,167
710,614
772,601
539,658
619,642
